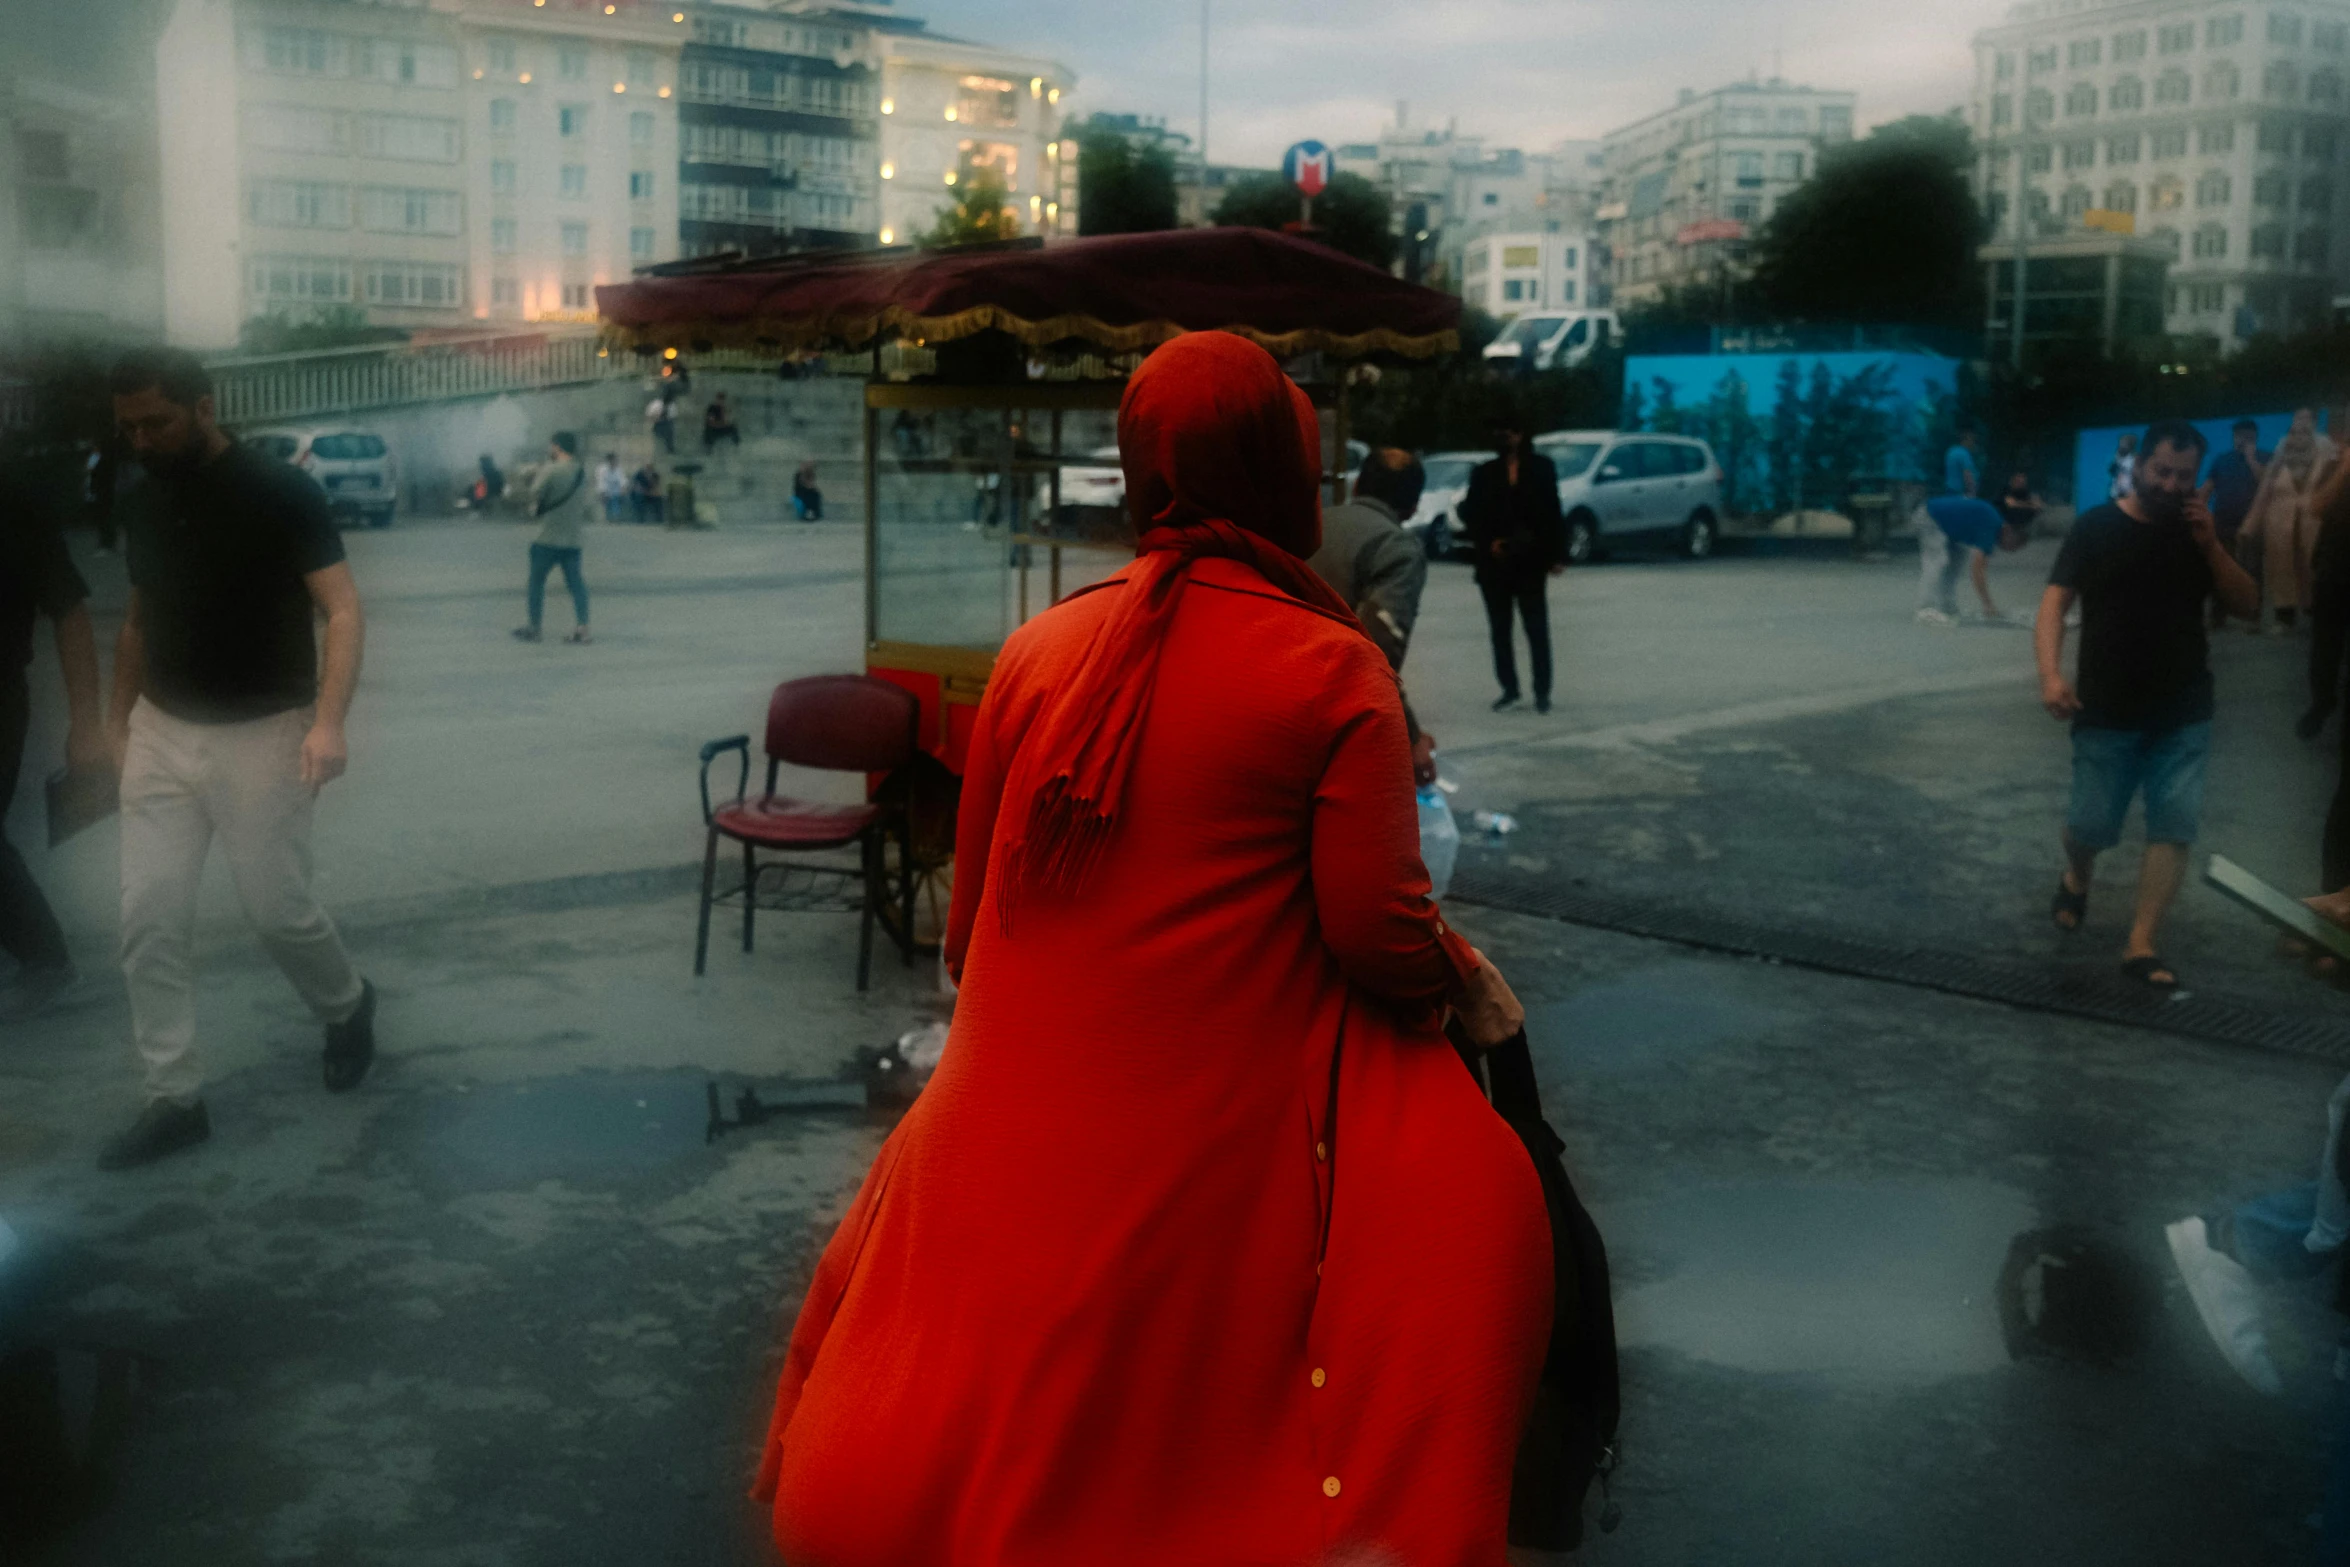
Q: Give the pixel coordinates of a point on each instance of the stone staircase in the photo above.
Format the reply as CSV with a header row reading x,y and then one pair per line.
x,y
783,424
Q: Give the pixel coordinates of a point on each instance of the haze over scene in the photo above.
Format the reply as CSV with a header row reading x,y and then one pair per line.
x,y
1519,72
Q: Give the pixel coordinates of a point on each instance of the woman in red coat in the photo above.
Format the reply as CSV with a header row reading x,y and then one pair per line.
x,y
1200,1249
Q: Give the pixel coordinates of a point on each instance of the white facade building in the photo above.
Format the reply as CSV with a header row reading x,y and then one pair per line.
x,y
80,246
1453,189
1510,274
431,165
2217,128
1688,187
950,110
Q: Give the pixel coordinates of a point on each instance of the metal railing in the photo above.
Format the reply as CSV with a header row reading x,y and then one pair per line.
x,y
264,388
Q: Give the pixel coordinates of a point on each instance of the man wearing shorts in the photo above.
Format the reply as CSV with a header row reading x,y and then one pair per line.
x,y
2142,569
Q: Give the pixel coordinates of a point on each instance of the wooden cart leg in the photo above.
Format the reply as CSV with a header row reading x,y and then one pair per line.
x,y
702,926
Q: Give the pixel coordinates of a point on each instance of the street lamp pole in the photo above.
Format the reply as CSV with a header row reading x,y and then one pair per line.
x,y
2015,218
1203,111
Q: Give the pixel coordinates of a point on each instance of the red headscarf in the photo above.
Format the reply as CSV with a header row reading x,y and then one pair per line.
x,y
1223,457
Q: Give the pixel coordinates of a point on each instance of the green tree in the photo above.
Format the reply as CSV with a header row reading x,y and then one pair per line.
x,y
1351,215
1884,231
980,212
1122,188
1785,453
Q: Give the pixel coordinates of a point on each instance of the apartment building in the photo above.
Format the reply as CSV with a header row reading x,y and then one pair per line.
x,y
433,166
2216,129
1688,187
951,110
1509,274
1446,189
779,131
80,248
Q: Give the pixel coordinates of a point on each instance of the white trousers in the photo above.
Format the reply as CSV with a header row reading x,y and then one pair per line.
x,y
1939,565
183,785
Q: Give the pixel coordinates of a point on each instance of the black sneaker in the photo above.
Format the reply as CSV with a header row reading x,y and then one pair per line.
x,y
350,1044
162,1128
1542,704
1507,699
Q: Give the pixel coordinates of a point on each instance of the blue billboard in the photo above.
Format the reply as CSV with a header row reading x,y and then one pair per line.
x,y
1795,430
2096,452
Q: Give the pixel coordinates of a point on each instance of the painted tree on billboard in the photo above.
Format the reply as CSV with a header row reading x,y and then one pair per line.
x,y
1824,433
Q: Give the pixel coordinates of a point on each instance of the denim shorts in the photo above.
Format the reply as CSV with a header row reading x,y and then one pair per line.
x,y
2111,765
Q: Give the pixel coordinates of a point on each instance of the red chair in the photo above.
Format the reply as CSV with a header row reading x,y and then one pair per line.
x,y
841,723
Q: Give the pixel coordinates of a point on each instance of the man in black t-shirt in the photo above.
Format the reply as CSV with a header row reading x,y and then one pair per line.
x,y
2142,569
227,725
37,578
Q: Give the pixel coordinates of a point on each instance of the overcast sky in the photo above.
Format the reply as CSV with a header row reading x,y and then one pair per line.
x,y
1521,72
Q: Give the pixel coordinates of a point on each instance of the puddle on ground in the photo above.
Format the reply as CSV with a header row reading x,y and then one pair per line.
x,y
1871,1283
581,1130
1663,1013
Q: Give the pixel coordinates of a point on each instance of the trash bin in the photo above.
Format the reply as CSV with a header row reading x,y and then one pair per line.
x,y
1872,512
678,501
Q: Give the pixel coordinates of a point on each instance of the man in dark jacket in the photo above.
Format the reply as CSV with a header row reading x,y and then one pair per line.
x,y
1519,536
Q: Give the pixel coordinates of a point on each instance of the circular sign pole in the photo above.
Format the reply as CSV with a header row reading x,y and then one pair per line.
x,y
1307,166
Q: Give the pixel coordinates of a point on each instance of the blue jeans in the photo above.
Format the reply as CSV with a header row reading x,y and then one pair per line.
x,y
545,558
2112,765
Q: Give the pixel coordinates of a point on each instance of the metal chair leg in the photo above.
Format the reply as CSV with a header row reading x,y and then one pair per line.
x,y
869,849
702,926
750,892
906,892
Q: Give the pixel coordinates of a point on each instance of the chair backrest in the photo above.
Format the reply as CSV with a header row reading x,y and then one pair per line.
x,y
843,723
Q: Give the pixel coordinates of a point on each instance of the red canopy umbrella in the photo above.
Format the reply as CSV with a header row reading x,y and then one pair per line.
x,y
1119,293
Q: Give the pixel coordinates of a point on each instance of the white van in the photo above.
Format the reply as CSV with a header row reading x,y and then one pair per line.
x,y
1553,340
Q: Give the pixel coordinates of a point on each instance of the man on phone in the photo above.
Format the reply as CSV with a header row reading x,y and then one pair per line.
x,y
2142,568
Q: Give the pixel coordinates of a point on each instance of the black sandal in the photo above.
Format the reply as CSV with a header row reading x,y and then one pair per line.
x,y
2144,969
2070,902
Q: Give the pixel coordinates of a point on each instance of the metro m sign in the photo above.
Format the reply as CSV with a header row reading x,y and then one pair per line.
x,y
1307,166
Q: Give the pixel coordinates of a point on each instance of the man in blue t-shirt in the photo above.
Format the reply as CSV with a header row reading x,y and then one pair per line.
x,y
1954,531
1960,476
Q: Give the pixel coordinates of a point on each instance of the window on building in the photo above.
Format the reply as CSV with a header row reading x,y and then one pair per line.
x,y
409,139
574,182
985,100
2081,99
639,70
2276,136
2325,88
2329,37
2175,40
2214,189
2166,194
575,237
2129,93
2221,31
301,51
2207,299
571,120
1793,122
2083,52
305,280
2038,160
2270,190
299,204
2122,149
426,284
502,116
501,56
2171,87
1995,209
2041,60
579,296
2222,82
1742,209
2280,79
2003,68
2283,29
2039,106
571,62
640,185
1835,119
1492,198
2268,241
2310,246
2318,143
501,176
2215,138
1787,166
2211,241
640,244
2002,109
409,64
401,209
2317,194
2171,142
1513,289
2168,239
2121,198
2129,46
281,127
640,129
1746,168
505,293
2077,200
2080,155
503,236
2036,204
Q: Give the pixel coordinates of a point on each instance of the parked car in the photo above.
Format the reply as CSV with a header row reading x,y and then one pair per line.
x,y
1097,483
1437,522
1553,340
355,468
1621,486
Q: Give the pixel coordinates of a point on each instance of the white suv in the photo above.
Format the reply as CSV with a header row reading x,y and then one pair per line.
x,y
1625,485
355,468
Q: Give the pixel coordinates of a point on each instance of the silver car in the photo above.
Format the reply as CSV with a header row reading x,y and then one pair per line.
x,y
354,466
1619,486
1437,522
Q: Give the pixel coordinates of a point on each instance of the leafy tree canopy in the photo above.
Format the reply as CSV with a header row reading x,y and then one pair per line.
x,y
979,212
1122,188
1884,231
1351,215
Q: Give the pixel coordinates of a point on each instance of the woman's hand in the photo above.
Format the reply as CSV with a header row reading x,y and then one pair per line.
x,y
1488,1009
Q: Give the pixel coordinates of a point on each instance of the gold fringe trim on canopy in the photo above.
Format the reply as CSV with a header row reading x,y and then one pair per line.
x,y
813,332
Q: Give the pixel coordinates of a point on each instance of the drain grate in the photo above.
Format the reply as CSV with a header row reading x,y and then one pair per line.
x,y
2037,988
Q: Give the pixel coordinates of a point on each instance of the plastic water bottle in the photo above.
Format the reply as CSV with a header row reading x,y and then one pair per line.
x,y
1494,824
1440,839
